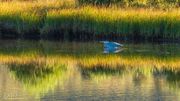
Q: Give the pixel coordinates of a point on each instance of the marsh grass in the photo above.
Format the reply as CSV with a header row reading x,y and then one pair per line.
x,y
67,21
132,3
24,19
142,24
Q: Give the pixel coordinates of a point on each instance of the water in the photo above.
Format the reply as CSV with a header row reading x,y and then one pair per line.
x,y
59,71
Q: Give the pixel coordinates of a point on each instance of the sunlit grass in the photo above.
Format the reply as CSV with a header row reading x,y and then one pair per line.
x,y
95,62
133,3
145,23
65,19
19,19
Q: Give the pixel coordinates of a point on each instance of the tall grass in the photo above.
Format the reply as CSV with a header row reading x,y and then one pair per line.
x,y
24,19
133,3
64,20
106,21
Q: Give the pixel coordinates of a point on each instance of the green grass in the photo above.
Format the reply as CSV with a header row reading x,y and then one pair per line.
x,y
66,20
124,23
133,3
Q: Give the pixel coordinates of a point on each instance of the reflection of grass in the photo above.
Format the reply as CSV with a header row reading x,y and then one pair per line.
x,y
106,72
89,55
39,75
39,65
172,77
38,79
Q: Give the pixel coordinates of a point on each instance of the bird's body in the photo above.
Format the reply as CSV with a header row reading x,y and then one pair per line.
x,y
111,47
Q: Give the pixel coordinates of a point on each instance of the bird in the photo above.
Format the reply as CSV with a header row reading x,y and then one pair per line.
x,y
111,47
109,44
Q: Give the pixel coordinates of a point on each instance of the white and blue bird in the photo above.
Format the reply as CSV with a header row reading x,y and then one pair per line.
x,y
111,47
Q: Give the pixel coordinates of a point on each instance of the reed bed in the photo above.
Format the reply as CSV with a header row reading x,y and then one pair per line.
x,y
130,23
25,19
95,62
66,20
133,3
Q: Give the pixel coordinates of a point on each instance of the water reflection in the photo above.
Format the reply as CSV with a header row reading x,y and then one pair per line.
x,y
37,79
31,81
112,50
79,71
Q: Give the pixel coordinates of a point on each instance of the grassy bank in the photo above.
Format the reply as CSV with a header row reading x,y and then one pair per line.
x,y
68,21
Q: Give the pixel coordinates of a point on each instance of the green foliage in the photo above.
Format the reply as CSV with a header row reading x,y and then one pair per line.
x,y
133,3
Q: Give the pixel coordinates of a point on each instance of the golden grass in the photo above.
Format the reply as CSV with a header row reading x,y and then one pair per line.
x,y
145,23
106,62
66,19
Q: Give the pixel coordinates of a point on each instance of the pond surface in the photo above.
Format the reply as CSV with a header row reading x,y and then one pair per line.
x,y
47,71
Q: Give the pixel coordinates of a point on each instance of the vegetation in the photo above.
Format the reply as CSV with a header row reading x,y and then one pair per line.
x,y
136,24
67,20
134,3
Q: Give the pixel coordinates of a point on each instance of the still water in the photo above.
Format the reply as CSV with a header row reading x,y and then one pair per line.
x,y
51,71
